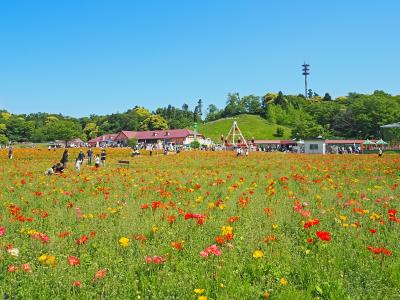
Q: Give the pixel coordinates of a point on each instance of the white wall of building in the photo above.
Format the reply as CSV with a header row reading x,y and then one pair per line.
x,y
314,146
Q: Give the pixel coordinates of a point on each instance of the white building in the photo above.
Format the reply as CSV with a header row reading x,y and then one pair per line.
x,y
315,146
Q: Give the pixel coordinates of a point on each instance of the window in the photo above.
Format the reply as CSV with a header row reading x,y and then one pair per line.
x,y
313,146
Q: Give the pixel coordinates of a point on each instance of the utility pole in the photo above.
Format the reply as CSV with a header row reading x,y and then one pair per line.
x,y
306,72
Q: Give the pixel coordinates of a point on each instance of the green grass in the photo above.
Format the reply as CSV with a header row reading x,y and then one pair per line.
x,y
250,125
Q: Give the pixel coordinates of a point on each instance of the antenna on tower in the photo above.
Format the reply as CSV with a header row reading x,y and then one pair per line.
x,y
306,72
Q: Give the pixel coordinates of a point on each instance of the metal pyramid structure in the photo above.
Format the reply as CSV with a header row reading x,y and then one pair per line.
x,y
235,137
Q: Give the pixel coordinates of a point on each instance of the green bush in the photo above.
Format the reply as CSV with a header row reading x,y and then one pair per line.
x,y
195,144
279,132
132,143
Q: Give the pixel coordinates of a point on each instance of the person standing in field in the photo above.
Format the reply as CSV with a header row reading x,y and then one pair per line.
x,y
64,158
89,156
97,161
380,152
81,157
10,152
103,157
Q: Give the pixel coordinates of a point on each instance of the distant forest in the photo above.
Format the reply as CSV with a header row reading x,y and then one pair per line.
x,y
352,116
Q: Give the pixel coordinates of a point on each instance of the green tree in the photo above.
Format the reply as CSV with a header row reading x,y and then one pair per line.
x,y
252,104
154,122
212,113
64,130
305,129
20,130
281,100
327,97
143,113
3,140
91,130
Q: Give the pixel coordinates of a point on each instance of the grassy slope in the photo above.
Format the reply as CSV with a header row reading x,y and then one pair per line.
x,y
250,125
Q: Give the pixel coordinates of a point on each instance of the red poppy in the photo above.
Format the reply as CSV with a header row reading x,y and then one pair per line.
x,y
220,240
310,223
82,240
324,235
233,219
176,245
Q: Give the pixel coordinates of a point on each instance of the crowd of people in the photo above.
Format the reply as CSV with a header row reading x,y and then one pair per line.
x,y
99,160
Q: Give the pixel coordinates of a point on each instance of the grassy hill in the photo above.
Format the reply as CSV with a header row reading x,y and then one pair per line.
x,y
250,125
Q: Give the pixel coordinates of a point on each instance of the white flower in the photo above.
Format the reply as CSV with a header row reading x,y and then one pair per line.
x,y
13,251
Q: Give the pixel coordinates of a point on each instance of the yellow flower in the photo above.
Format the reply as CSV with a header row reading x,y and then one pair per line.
x,y
42,258
210,204
124,242
343,218
222,285
226,230
283,281
374,216
154,229
275,226
202,298
258,254
198,291
49,260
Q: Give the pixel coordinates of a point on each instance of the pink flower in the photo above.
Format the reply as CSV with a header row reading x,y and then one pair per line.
x,y
157,259
26,268
12,268
100,274
2,231
305,213
73,260
76,283
213,249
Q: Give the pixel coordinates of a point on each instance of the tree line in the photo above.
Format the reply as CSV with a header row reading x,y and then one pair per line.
x,y
352,116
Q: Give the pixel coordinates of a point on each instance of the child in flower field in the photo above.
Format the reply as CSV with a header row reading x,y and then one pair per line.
x,y
103,157
78,165
97,161
50,171
10,150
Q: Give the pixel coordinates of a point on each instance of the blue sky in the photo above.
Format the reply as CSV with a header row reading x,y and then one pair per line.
x,y
92,56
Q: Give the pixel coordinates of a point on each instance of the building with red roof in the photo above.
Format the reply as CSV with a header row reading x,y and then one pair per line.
x,y
169,136
104,140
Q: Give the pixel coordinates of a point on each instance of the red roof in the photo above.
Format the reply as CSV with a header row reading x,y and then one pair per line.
x,y
277,142
346,141
104,137
155,134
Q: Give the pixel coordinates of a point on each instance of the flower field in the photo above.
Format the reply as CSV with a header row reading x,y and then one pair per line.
x,y
200,225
